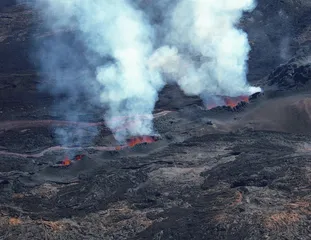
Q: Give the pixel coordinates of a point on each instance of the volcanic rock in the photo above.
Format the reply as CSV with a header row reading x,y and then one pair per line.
x,y
293,75
213,174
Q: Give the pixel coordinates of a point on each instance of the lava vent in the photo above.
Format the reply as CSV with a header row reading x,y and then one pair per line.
x,y
131,142
67,161
225,101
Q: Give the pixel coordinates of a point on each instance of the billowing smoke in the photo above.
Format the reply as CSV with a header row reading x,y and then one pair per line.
x,y
206,54
105,52
123,84
130,88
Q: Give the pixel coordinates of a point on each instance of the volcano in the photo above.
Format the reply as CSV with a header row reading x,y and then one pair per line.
x,y
217,174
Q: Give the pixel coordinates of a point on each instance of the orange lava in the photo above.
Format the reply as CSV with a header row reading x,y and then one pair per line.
x,y
226,101
66,162
234,101
139,140
78,157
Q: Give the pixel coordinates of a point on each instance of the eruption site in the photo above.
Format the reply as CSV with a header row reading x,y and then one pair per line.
x,y
231,102
131,142
126,59
141,139
138,120
67,161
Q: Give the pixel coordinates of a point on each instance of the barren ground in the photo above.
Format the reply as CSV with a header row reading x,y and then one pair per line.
x,y
226,173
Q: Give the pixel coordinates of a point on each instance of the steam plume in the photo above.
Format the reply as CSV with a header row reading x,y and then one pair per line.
x,y
205,53
129,87
126,87
109,58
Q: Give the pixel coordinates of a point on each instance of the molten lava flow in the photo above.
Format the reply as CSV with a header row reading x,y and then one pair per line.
x,y
234,101
141,139
66,162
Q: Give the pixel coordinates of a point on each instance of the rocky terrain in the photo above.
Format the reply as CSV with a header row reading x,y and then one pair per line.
x,y
242,173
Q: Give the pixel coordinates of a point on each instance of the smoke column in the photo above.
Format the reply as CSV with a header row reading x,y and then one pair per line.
x,y
107,29
206,54
111,59
130,87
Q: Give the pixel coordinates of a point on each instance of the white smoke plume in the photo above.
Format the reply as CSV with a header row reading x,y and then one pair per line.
x,y
129,87
206,53
126,88
118,68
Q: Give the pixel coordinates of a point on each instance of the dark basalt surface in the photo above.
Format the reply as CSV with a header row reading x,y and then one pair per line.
x,y
293,75
247,185
242,173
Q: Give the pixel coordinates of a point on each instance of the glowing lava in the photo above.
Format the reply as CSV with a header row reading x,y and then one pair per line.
x,y
66,162
78,157
228,101
140,140
136,141
234,101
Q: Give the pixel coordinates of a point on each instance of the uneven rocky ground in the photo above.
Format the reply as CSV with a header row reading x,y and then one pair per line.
x,y
241,173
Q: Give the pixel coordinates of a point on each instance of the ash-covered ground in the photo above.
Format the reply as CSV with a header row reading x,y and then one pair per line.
x,y
242,173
